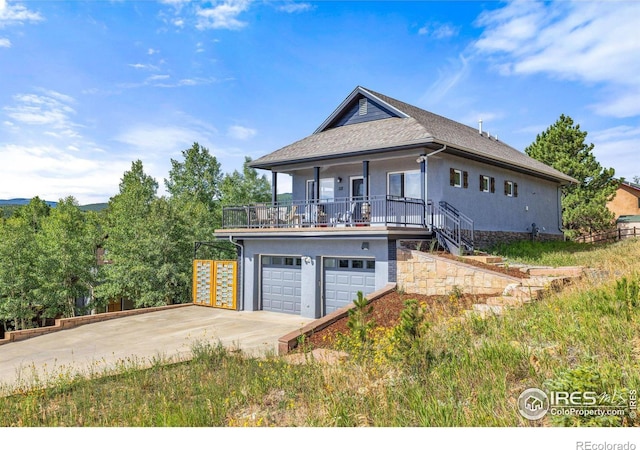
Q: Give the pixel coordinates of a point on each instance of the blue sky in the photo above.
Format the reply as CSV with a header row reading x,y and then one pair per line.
x,y
87,87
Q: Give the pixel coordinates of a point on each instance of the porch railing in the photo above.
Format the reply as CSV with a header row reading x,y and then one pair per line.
x,y
346,212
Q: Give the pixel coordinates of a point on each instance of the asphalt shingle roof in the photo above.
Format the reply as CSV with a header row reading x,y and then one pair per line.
x,y
419,128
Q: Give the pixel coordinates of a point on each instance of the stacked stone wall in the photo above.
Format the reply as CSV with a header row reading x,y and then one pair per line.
x,y
428,274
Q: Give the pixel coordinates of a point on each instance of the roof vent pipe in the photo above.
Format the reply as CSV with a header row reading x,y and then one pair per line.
x,y
480,126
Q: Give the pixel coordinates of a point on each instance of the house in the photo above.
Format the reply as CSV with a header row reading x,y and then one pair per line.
x,y
626,202
375,172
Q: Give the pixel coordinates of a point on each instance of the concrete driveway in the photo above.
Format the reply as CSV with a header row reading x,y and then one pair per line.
x,y
140,339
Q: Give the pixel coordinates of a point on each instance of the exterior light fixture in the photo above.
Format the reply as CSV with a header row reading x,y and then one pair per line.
x,y
365,246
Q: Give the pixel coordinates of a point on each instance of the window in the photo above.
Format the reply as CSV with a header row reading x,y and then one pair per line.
x,y
510,189
329,263
326,189
349,264
458,178
487,184
404,184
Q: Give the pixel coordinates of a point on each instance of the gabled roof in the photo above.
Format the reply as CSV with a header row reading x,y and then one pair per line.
x,y
411,128
632,186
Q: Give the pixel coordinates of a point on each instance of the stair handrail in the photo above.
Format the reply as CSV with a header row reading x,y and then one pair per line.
x,y
454,226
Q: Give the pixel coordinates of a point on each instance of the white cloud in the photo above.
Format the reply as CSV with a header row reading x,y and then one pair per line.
x,y
449,76
295,7
158,77
175,2
152,51
12,14
4,42
438,30
49,155
223,15
140,66
473,117
52,173
186,82
240,132
591,42
617,147
51,109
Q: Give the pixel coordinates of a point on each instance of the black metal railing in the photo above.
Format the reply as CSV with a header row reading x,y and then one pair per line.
x,y
345,212
453,229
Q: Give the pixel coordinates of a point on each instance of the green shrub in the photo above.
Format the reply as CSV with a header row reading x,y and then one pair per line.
x,y
360,322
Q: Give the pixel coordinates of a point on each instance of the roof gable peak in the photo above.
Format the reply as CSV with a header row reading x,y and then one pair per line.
x,y
347,103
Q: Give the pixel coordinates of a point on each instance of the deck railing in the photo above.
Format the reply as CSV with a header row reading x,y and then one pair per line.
x,y
345,212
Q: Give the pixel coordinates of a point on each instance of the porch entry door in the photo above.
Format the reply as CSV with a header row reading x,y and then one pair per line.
x,y
357,198
357,187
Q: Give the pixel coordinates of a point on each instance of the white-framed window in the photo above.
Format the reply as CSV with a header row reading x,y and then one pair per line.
x,y
487,184
458,178
510,189
404,184
327,189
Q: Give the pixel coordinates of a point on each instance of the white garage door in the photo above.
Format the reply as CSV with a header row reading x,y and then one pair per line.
x,y
281,284
343,278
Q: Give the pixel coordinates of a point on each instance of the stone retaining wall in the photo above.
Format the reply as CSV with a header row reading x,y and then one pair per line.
x,y
428,274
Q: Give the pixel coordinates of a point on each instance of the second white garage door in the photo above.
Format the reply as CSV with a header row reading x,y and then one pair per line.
x,y
343,278
281,284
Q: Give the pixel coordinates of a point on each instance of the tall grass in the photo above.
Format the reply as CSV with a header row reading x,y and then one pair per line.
x,y
620,255
465,371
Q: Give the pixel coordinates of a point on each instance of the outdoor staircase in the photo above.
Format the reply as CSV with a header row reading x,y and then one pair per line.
x,y
453,230
541,281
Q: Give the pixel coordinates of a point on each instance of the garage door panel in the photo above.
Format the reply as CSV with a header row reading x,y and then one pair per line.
x,y
342,278
281,288
341,284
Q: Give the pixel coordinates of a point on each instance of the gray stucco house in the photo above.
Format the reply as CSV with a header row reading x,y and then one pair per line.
x,y
377,171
